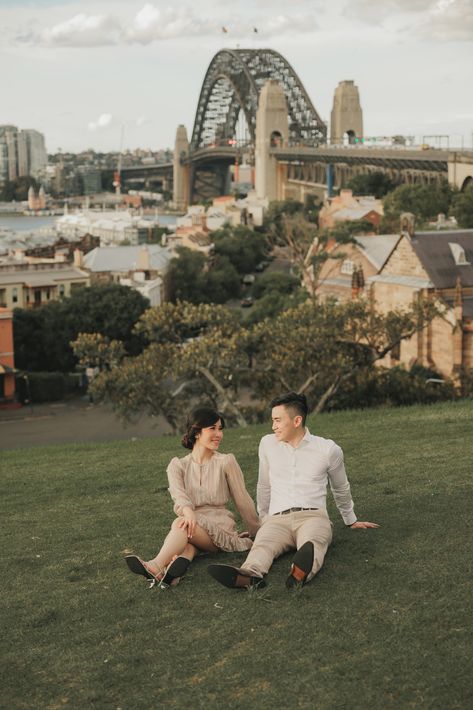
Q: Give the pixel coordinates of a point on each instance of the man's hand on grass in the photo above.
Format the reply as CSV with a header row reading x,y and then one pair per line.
x,y
361,524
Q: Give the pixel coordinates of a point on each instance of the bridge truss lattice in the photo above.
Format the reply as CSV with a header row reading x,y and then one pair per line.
x,y
233,83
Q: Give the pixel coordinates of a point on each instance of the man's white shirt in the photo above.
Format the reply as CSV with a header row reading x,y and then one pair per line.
x,y
298,477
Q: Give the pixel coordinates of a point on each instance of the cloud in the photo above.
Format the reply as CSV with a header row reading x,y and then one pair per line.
x,y
376,11
441,20
103,121
152,24
80,31
450,21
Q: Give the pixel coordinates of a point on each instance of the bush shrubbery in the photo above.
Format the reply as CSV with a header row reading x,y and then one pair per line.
x,y
396,386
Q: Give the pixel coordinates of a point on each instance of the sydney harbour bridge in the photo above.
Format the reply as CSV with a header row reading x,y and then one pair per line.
x,y
253,108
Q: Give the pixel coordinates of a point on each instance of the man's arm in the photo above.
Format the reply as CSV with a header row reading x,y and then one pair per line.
x,y
263,488
341,490
340,486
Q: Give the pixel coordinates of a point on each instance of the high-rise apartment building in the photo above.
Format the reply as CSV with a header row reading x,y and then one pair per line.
x,y
21,153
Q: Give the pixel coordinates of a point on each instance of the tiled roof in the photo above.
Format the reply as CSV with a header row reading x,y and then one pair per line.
x,y
377,248
435,255
126,258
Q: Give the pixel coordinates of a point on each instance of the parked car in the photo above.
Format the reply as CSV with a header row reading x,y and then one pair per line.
x,y
248,279
246,302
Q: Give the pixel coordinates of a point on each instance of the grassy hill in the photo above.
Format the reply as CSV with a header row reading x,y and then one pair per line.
x,y
383,625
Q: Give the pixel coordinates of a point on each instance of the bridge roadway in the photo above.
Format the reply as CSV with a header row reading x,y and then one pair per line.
x,y
308,165
398,158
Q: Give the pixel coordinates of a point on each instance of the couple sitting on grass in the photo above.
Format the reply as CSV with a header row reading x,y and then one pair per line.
x,y
295,468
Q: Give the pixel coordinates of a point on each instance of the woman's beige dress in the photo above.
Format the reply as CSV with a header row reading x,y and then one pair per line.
x,y
206,488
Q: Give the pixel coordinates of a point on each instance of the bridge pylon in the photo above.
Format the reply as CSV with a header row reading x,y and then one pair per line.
x,y
347,115
181,172
272,131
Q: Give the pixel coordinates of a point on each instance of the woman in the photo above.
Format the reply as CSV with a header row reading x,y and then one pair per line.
x,y
200,485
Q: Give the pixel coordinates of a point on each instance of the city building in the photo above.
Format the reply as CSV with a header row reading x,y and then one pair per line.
x,y
31,285
22,152
7,362
111,226
347,207
143,268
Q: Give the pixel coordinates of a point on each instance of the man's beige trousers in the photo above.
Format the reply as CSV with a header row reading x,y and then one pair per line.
x,y
281,533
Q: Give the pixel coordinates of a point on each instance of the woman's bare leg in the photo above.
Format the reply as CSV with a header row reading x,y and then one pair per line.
x,y
177,543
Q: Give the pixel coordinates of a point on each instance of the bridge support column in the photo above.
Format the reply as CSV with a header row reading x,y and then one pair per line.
x,y
181,172
272,131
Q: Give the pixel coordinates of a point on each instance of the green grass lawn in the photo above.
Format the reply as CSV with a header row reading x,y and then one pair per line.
x,y
385,623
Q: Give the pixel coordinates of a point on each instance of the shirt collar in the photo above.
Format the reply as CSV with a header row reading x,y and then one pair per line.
x,y
306,437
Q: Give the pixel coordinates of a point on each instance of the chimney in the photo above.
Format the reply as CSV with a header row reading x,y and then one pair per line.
x,y
78,258
143,263
407,224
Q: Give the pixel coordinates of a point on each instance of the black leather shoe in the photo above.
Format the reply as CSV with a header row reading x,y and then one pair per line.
x,y
234,577
301,566
175,570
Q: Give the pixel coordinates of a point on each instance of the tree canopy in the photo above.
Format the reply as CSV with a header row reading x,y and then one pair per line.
x,y
313,347
43,335
462,207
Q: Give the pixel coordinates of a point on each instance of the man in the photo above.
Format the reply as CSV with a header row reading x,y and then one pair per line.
x,y
295,468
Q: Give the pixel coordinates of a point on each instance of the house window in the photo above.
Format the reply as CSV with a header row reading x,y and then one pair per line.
x,y
458,254
347,267
14,295
62,290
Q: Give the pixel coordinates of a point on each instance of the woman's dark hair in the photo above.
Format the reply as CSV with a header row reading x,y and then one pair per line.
x,y
297,403
196,421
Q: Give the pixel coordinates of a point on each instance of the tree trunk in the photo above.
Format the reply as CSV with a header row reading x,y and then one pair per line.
x,y
329,392
223,394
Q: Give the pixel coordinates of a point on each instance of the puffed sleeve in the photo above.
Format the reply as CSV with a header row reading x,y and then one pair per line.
x,y
175,472
239,494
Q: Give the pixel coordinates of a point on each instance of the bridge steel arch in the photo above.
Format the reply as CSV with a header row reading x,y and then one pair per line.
x,y
233,82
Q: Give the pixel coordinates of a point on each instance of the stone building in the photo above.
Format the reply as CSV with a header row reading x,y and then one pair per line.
x,y
345,273
437,266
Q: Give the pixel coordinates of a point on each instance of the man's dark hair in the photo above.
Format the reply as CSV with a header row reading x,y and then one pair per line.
x,y
296,402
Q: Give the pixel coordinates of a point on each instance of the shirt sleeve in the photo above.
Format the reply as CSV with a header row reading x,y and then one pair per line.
x,y
340,486
177,488
263,488
239,494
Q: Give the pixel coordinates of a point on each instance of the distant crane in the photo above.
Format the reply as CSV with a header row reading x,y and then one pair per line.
x,y
117,175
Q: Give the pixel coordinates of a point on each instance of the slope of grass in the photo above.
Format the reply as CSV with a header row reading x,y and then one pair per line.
x,y
385,624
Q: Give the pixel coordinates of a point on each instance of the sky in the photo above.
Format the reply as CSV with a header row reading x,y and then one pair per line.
x,y
113,74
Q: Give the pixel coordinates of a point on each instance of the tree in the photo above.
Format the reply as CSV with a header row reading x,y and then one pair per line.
x,y
313,347
243,247
196,279
316,347
377,184
43,336
275,282
17,189
462,207
309,247
424,201
173,366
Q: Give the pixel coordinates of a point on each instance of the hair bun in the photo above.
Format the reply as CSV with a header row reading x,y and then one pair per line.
x,y
186,441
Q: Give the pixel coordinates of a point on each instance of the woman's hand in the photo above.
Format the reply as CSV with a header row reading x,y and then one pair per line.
x,y
244,534
188,520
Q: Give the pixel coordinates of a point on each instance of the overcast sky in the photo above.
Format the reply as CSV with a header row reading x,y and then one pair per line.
x,y
79,70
